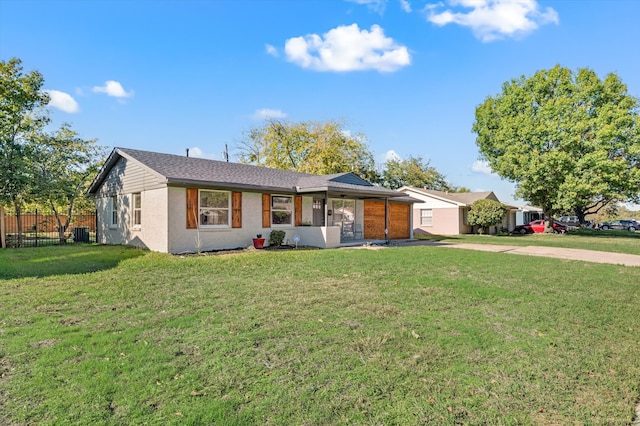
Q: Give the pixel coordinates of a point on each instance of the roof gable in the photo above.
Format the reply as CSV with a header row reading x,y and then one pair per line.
x,y
349,178
458,198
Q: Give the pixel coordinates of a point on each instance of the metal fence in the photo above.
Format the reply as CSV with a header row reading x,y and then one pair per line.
x,y
41,228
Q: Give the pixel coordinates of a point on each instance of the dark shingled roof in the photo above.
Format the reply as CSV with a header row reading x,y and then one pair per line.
x,y
181,171
466,198
461,197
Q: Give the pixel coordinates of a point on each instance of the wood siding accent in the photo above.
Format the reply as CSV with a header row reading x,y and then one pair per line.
x,y
192,208
236,209
266,210
374,220
298,210
399,220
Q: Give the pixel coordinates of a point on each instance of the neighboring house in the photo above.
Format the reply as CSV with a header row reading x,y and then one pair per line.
x,y
526,214
174,204
445,213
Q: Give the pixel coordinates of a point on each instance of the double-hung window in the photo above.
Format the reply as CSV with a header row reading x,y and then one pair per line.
x,y
214,208
426,217
136,202
113,210
281,210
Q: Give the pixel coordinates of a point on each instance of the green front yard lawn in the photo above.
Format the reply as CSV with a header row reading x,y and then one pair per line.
x,y
403,335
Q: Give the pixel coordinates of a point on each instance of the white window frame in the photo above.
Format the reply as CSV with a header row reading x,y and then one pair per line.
x,y
113,211
136,212
290,210
426,219
227,209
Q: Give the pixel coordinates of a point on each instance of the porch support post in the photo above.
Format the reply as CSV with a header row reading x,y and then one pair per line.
x,y
411,221
326,209
386,220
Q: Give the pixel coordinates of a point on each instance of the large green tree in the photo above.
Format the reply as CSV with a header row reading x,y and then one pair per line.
x,y
22,115
569,140
311,147
63,164
413,171
37,166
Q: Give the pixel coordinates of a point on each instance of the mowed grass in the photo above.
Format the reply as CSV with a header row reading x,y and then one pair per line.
x,y
401,335
611,241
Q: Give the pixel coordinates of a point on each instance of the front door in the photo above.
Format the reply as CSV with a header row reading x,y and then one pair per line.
x,y
344,215
318,212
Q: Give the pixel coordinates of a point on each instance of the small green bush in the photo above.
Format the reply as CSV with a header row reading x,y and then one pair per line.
x,y
486,213
276,238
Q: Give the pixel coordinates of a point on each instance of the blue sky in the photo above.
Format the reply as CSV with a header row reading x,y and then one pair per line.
x,y
170,75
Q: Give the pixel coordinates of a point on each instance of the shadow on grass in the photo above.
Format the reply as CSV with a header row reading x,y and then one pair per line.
x,y
41,262
434,237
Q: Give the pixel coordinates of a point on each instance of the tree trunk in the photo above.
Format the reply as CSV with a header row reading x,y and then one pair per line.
x,y
62,228
580,212
17,204
548,221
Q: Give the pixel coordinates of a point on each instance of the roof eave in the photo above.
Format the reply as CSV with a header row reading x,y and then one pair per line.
x,y
361,193
227,185
437,197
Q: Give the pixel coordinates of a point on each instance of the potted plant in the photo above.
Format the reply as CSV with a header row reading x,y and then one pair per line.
x,y
258,242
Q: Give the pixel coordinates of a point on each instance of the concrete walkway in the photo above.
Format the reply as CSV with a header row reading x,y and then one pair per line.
x,y
557,252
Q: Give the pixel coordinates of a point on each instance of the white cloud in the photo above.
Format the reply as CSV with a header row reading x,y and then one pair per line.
x,y
405,6
63,101
113,88
198,153
494,19
265,113
391,155
377,6
482,167
271,50
347,48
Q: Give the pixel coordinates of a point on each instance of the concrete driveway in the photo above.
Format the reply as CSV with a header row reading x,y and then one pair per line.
x,y
557,252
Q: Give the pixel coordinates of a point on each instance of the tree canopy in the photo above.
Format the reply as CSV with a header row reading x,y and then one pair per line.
x,y
569,140
62,165
413,172
327,148
37,165
21,116
311,147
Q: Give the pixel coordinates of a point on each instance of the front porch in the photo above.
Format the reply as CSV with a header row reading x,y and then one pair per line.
x,y
332,220
327,237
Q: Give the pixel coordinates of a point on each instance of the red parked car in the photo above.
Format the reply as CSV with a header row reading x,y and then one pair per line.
x,y
537,226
